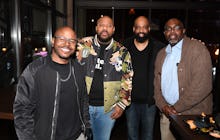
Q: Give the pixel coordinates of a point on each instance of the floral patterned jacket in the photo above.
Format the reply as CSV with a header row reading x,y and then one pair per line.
x,y
117,70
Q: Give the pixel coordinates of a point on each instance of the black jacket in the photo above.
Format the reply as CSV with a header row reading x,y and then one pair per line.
x,y
37,99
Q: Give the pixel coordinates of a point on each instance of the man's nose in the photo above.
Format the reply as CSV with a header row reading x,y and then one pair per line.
x,y
67,42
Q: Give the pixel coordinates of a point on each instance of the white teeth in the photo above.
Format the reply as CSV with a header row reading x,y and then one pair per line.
x,y
172,35
65,49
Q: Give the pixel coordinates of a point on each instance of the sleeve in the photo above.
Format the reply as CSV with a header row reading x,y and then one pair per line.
x,y
85,101
84,49
24,106
126,81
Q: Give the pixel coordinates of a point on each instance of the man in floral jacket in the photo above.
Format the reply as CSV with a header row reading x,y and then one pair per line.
x,y
108,77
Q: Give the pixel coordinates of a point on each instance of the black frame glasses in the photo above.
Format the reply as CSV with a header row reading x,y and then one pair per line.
x,y
63,40
175,28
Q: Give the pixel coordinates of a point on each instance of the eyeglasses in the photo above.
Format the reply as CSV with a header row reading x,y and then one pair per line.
x,y
175,28
63,40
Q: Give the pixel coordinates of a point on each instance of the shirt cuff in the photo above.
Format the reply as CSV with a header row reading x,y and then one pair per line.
x,y
121,105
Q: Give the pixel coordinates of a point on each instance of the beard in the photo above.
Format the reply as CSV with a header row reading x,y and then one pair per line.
x,y
104,40
141,39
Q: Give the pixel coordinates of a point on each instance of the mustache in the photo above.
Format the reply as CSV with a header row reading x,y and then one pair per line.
x,y
104,31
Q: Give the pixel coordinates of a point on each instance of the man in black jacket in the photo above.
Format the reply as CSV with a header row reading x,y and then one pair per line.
x,y
143,50
51,101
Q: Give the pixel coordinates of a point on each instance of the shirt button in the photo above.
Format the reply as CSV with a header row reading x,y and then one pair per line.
x,y
105,75
182,89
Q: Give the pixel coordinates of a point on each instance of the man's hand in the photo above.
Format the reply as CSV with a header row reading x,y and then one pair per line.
x,y
79,54
117,112
169,110
198,40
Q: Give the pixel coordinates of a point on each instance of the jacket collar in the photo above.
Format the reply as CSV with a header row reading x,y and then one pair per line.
x,y
97,43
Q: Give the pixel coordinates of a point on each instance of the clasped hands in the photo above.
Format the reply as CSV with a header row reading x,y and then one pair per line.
x,y
169,110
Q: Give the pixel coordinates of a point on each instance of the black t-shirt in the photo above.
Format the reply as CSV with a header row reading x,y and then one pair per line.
x,y
140,60
68,123
96,95
143,65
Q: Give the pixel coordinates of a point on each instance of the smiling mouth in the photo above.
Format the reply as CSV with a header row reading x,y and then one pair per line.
x,y
104,33
141,35
65,49
172,36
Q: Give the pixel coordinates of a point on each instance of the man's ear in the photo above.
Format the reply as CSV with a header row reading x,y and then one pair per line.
x,y
96,28
164,32
133,28
52,41
184,31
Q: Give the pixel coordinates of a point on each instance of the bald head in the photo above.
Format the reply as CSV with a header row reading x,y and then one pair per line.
x,y
63,31
141,29
141,19
105,29
174,21
105,18
64,45
174,31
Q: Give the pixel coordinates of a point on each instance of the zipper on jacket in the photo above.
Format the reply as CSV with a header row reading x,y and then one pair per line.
x,y
77,97
55,110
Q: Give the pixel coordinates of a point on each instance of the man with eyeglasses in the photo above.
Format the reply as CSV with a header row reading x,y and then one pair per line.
x,y
51,102
183,77
108,77
141,113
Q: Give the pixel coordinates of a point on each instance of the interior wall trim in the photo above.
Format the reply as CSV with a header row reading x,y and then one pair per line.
x,y
88,4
